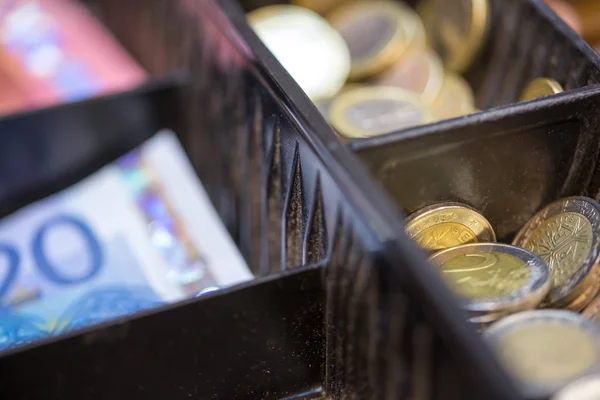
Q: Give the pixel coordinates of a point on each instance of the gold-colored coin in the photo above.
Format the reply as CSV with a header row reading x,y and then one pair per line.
x,y
494,278
441,226
566,234
319,6
540,87
377,32
372,111
457,29
592,311
456,97
587,388
567,13
324,105
419,70
546,349
312,52
588,12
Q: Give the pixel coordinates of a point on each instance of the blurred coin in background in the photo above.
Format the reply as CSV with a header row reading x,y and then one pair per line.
x,y
312,52
545,350
419,70
587,388
324,105
320,6
592,311
444,225
455,99
540,87
588,12
374,32
456,29
371,111
567,13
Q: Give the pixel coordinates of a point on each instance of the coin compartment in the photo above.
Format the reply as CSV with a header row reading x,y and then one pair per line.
x,y
508,166
525,40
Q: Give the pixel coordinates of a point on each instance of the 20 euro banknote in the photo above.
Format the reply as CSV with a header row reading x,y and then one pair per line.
x,y
135,235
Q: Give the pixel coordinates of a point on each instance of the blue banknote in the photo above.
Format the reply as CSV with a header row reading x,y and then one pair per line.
x,y
135,235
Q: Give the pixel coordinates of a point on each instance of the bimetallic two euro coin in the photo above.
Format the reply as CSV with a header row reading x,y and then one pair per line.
x,y
540,87
457,30
371,111
455,99
413,27
444,225
587,388
375,33
566,234
419,70
312,52
545,350
324,105
494,278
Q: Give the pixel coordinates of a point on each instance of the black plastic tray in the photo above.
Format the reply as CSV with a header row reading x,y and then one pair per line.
x,y
346,303
507,162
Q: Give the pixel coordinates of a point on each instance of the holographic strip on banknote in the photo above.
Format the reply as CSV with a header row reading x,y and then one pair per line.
x,y
133,236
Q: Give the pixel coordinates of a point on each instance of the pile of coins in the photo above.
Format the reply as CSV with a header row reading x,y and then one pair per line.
x,y
379,66
535,300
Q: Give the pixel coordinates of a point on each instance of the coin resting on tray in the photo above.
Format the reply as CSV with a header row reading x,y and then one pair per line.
x,y
552,265
411,58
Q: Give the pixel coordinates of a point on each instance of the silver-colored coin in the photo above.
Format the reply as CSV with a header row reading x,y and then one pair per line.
x,y
566,234
587,388
372,111
545,350
494,277
312,52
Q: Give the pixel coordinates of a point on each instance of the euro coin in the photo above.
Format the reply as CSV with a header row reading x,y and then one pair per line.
x,y
441,226
457,30
567,13
319,6
545,350
592,311
456,97
588,12
494,278
324,105
419,70
312,52
540,87
587,388
566,234
371,111
376,33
